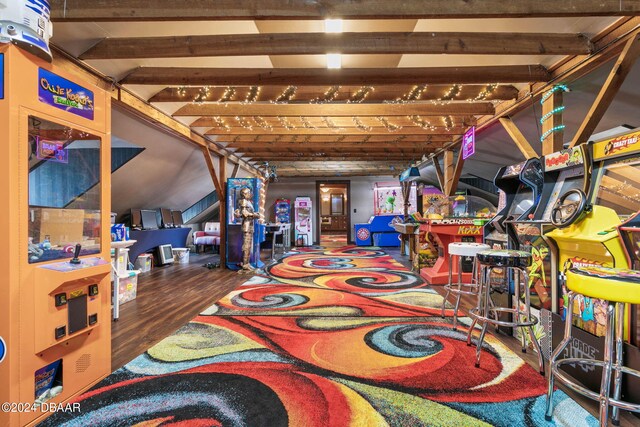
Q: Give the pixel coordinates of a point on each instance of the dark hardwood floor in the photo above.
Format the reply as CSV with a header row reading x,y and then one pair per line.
x,y
168,297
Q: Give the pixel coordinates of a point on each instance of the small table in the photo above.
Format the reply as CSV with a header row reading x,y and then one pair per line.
x,y
408,233
116,276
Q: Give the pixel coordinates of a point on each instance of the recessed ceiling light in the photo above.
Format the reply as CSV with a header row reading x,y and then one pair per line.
x,y
334,60
333,25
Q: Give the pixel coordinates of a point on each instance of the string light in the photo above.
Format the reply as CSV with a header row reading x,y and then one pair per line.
x,y
360,95
448,122
220,123
555,111
286,96
202,95
449,95
228,95
306,139
413,95
242,121
294,139
485,93
260,121
182,91
329,96
286,123
361,125
399,139
252,94
391,127
340,139
307,124
329,123
420,122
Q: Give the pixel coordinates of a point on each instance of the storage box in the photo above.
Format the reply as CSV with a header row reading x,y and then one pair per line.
x,y
144,263
181,255
128,287
118,233
120,264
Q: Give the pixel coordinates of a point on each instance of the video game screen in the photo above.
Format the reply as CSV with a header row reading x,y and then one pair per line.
x,y
619,186
522,202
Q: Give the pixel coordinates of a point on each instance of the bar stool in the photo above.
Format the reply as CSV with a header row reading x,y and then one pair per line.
x,y
461,250
515,263
618,287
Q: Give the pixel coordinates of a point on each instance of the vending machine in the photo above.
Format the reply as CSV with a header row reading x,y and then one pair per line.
x,y
55,186
234,221
303,222
283,211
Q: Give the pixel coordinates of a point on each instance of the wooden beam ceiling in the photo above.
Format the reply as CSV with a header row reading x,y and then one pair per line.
x,y
189,76
317,94
333,139
302,146
345,43
335,110
456,130
268,122
198,10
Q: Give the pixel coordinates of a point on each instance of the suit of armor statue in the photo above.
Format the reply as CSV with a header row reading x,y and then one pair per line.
x,y
247,213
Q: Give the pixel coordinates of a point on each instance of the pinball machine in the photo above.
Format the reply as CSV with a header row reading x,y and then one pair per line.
x,y
55,184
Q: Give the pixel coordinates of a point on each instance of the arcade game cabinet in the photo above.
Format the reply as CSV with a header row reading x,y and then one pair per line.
x,y
388,208
234,229
303,222
454,219
564,170
55,186
283,211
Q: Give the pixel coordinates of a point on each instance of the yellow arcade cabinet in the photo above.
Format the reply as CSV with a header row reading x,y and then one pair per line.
x,y
55,190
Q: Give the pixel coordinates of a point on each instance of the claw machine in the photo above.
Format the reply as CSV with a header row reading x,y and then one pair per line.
x,y
234,229
55,189
303,221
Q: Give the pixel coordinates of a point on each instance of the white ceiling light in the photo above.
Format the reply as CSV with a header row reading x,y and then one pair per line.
x,y
334,60
333,25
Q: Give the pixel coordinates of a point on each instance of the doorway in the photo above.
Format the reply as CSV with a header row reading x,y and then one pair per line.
x,y
333,208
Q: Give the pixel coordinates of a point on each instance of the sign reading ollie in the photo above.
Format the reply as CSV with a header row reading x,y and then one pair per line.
x,y
469,143
64,94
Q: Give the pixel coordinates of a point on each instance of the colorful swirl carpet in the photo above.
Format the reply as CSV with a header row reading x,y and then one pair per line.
x,y
328,337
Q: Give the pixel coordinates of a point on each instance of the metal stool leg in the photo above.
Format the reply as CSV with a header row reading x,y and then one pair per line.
x,y
481,284
605,384
534,340
446,297
485,313
516,274
617,390
457,306
557,352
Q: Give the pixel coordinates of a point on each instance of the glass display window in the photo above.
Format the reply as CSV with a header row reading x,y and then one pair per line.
x,y
619,187
64,191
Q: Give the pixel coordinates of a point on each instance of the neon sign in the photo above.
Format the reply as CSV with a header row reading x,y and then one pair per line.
x,y
469,143
64,94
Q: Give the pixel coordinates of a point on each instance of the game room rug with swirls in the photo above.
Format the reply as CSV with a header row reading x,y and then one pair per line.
x,y
327,337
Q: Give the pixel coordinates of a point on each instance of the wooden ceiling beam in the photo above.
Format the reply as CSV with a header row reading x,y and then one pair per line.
x,y
456,130
330,157
346,43
336,110
189,76
518,138
200,10
306,94
336,146
345,121
337,140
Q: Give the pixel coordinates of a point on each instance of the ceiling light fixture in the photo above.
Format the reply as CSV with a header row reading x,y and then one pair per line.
x,y
333,25
334,60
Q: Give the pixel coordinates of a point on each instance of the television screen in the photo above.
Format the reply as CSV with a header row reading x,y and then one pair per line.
x,y
149,219
177,218
165,254
167,220
136,218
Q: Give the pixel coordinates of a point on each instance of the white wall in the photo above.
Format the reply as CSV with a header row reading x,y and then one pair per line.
x,y
361,195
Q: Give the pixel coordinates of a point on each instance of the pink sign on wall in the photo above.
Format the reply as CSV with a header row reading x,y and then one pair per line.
x,y
469,143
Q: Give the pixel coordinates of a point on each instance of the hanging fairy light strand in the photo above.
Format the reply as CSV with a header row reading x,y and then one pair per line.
x,y
244,123
361,126
555,111
360,95
307,124
485,93
228,95
329,96
286,123
329,123
252,94
202,95
391,127
181,91
420,122
448,122
413,95
449,95
220,123
286,96
260,121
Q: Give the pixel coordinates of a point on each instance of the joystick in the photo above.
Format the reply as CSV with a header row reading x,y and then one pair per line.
x,y
76,253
